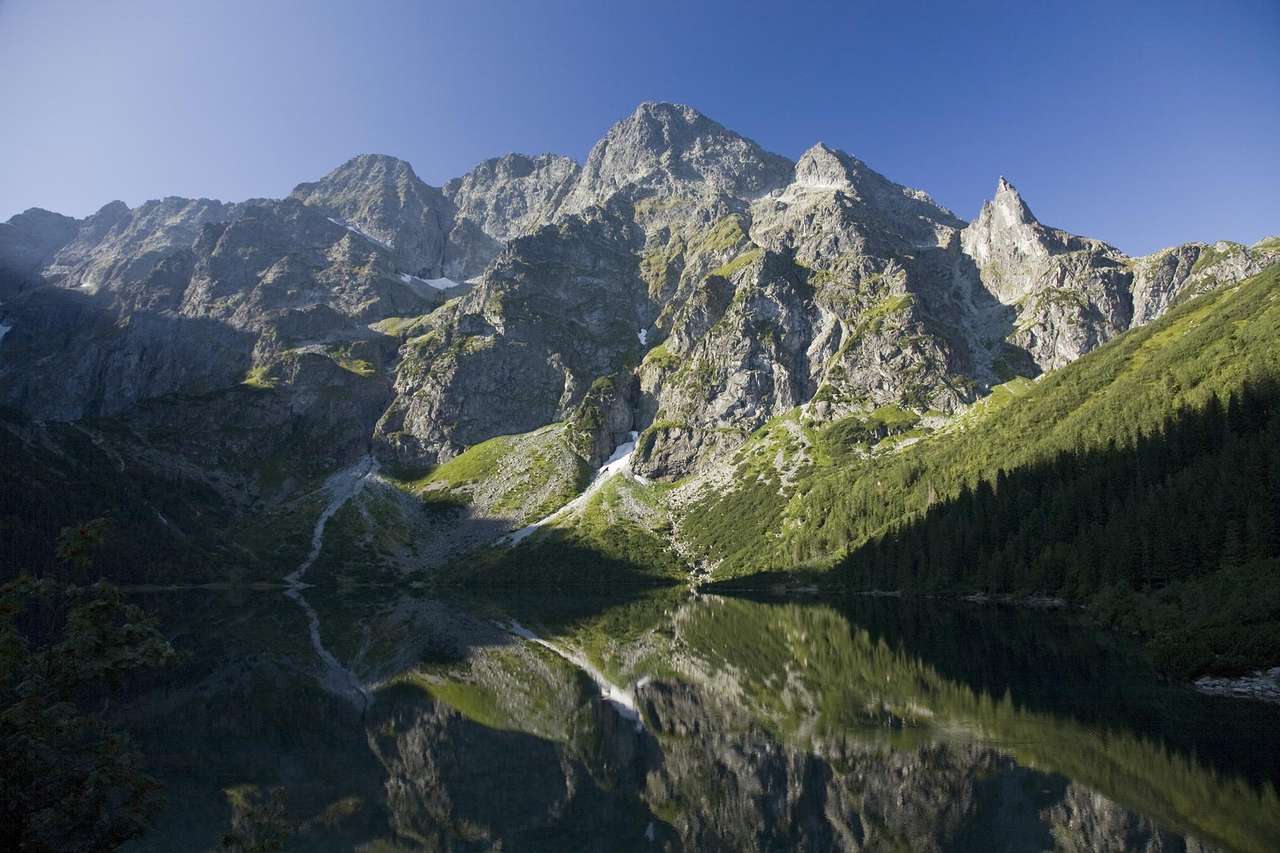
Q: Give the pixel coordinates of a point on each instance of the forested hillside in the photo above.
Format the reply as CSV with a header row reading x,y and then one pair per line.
x,y
1145,477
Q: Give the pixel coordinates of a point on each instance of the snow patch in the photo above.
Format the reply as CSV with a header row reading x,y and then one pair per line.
x,y
357,231
643,335
618,463
417,284
622,699
5,328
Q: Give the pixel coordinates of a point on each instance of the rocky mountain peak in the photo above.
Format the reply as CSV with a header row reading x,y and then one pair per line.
x,y
374,178
111,210
506,197
1007,206
380,198
662,146
1006,228
837,204
822,167
27,240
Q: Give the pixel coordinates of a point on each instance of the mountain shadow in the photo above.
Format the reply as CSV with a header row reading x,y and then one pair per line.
x,y
1175,536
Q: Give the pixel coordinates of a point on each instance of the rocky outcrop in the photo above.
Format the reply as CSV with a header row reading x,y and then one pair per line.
x,y
1086,820
505,198
192,305
1069,294
1164,278
719,284
382,199
558,310
675,165
27,241
450,232
823,293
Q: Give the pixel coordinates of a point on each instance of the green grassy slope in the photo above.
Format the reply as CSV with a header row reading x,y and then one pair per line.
x,y
1204,348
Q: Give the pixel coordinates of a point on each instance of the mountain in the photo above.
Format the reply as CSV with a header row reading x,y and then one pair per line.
x,y
473,353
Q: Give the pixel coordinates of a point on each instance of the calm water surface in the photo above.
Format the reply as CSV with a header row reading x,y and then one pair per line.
x,y
663,720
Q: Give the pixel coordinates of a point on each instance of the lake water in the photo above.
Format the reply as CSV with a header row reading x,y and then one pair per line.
x,y
388,720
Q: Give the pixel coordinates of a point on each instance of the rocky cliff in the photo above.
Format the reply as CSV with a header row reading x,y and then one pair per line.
x,y
700,284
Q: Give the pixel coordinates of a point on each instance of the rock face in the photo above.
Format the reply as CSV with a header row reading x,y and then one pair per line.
x,y
1070,293
382,199
172,298
26,243
674,156
511,196
718,285
558,310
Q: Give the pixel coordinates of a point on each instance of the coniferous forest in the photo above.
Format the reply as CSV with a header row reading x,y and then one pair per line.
x,y
1185,520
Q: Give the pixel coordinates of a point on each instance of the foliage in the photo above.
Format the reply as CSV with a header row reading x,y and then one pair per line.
x,y
1141,467
808,674
1197,499
69,781
738,263
1124,389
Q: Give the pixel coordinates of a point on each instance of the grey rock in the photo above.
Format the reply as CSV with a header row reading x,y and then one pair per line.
x,y
678,162
27,241
511,196
710,284
383,198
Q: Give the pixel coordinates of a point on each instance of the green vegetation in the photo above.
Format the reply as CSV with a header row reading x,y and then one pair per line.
x,y
739,262
618,537
478,462
1141,526
646,439
1115,394
737,526
889,305
259,377
525,476
70,780
725,235
662,358
808,673
1211,255
1132,472
841,437
347,356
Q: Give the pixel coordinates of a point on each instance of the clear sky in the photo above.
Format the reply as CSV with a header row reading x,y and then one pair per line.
x,y
1142,123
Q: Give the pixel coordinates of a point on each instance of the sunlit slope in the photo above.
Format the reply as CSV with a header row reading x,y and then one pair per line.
x,y
849,485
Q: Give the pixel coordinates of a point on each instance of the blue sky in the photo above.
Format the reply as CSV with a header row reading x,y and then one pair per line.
x,y
1144,124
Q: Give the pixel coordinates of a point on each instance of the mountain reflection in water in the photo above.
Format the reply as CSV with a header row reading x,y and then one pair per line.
x,y
844,724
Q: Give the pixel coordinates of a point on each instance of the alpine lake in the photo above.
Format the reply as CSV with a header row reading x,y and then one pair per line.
x,y
398,718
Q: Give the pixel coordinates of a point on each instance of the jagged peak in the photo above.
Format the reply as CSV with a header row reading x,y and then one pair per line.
x,y
1006,207
663,143
657,125
667,110
368,169
111,208
375,162
824,166
515,165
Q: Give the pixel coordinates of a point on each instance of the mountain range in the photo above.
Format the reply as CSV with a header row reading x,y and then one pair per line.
x,y
443,370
